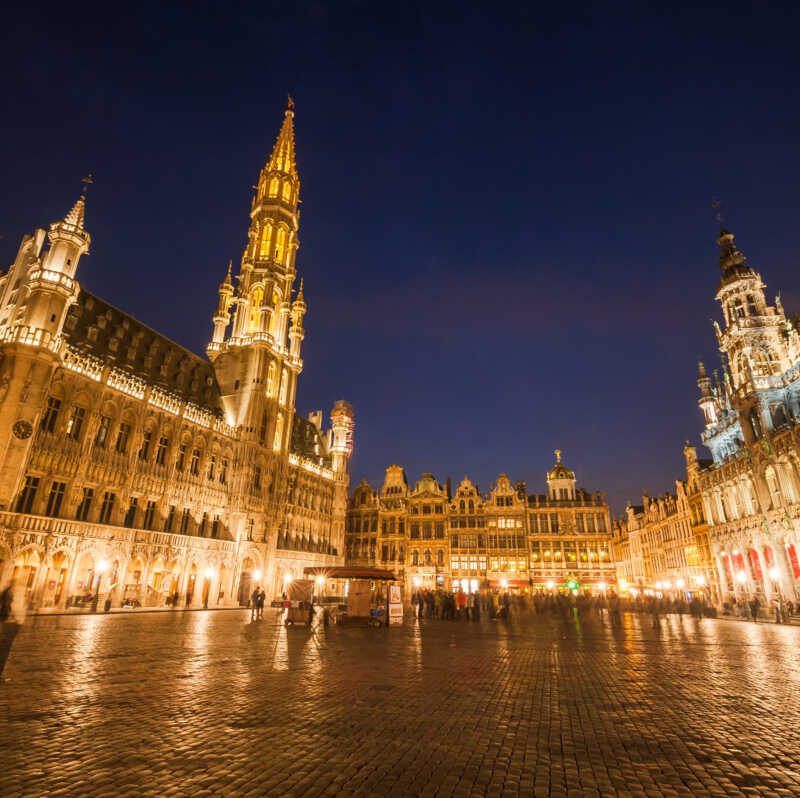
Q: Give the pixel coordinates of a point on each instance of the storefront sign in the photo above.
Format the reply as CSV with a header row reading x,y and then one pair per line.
x,y
395,614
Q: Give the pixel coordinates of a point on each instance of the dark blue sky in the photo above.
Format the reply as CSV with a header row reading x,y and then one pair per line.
x,y
506,235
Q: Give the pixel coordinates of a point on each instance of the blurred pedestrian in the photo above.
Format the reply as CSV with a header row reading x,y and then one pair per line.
x,y
254,603
12,616
262,598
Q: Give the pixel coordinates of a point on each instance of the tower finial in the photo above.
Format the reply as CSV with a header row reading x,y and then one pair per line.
x,y
717,206
289,103
87,181
557,453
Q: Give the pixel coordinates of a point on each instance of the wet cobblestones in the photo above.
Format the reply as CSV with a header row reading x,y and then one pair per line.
x,y
208,704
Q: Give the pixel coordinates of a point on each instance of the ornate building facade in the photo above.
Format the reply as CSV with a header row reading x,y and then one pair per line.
x,y
506,539
662,544
131,468
751,490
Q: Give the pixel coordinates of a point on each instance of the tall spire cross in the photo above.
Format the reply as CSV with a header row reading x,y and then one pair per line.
x,y
717,206
87,181
557,453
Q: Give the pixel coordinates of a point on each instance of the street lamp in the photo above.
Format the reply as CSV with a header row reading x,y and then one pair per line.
x,y
256,574
209,572
550,584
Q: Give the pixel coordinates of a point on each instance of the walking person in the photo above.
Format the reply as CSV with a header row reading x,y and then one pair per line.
x,y
755,606
254,603
12,616
262,597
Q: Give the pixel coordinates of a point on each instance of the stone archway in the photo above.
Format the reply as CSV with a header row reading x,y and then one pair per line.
x,y
247,581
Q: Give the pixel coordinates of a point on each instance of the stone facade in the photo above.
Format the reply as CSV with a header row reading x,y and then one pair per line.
x,y
132,469
662,544
735,522
436,537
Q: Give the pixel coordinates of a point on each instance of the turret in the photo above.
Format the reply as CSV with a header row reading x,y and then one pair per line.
x,y
296,332
342,423
51,289
561,481
222,317
707,401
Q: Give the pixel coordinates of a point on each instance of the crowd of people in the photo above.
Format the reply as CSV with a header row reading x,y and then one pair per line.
x,y
460,605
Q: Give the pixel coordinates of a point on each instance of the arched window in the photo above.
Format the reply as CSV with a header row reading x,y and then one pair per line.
x,y
274,185
772,485
278,442
266,236
284,387
287,190
256,300
471,506
271,379
440,557
428,560
462,506
280,244
414,557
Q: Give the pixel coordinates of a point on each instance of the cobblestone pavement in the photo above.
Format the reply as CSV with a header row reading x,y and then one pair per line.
x,y
207,703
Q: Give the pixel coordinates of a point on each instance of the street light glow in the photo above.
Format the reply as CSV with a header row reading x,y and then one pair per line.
x,y
774,574
550,584
256,574
741,577
102,566
209,572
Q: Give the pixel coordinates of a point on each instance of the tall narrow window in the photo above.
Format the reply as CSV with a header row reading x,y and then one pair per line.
x,y
203,525
170,521
278,441
144,449
212,466
273,187
284,387
27,495
55,499
50,417
194,467
262,430
149,514
123,434
286,192
161,452
255,487
185,521
107,507
180,463
75,422
271,380
82,513
280,244
266,237
223,471
215,527
101,438
130,516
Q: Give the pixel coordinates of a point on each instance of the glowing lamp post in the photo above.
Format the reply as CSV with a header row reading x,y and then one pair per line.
x,y
208,573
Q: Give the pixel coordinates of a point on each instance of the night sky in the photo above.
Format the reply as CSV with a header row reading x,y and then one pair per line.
x,y
506,233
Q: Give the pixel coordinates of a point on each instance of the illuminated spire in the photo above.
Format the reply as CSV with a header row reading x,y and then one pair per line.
x,y
282,158
75,218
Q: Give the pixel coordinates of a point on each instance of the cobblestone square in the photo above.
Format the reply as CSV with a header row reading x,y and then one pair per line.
x,y
210,703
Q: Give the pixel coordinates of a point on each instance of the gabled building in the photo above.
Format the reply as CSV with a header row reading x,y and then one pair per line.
x,y
505,539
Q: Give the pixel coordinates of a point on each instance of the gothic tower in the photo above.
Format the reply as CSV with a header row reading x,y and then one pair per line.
x,y
759,348
256,354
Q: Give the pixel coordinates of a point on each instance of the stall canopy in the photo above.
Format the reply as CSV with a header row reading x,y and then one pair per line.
x,y
342,572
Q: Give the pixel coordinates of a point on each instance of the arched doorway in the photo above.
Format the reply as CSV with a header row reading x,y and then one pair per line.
x,y
222,582
172,582
132,590
54,588
26,566
248,581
